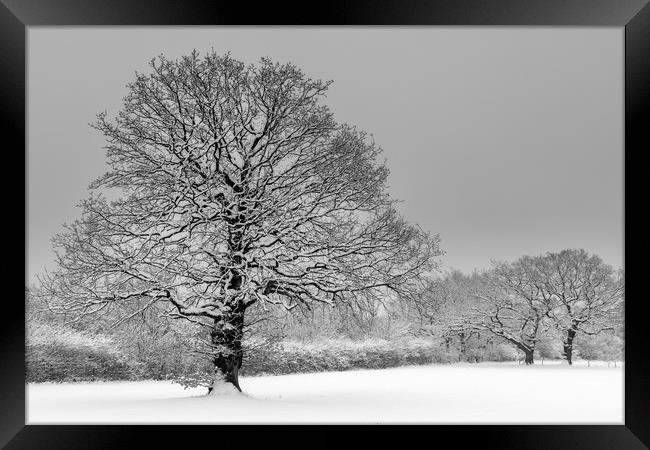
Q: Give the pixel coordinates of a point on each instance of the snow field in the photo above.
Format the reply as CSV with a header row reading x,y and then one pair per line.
x,y
486,393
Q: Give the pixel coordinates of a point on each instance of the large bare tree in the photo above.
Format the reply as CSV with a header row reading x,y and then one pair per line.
x,y
233,186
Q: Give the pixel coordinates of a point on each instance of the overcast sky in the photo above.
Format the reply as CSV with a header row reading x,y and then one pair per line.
x,y
505,141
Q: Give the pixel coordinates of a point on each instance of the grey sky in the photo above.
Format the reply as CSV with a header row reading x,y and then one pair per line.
x,y
505,141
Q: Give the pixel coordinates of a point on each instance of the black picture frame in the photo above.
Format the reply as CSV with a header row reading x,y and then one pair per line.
x,y
17,15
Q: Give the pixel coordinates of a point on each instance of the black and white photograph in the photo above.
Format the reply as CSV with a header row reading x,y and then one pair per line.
x,y
324,225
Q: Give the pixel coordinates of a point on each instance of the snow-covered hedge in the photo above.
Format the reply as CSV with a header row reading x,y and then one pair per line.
x,y
57,353
337,355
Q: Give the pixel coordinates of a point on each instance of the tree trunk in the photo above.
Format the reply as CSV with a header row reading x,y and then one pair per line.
x,y
226,337
528,358
568,345
463,347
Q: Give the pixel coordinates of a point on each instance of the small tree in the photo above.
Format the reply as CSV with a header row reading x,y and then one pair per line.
x,y
443,312
589,349
606,346
235,188
547,348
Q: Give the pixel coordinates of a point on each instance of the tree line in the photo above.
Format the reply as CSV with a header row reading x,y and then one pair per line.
x,y
560,295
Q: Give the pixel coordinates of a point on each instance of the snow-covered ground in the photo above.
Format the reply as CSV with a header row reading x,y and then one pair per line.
x,y
487,393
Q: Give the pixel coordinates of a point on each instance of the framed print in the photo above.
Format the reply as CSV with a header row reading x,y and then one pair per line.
x,y
373,214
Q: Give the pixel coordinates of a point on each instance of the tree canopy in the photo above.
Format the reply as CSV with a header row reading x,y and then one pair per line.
x,y
233,185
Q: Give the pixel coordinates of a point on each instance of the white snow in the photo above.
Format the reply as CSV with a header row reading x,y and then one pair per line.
x,y
486,393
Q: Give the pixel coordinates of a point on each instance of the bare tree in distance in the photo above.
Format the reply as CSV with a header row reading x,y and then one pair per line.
x,y
511,305
427,315
587,294
571,290
444,311
234,186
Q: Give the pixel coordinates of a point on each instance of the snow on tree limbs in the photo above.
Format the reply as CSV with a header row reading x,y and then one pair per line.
x,y
236,187
570,291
